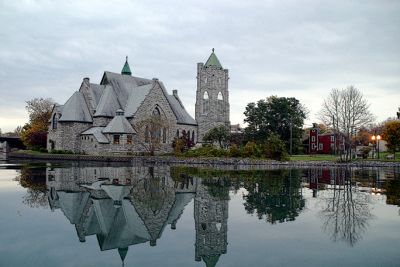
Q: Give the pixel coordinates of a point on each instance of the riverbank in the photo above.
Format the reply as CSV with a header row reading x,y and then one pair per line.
x,y
208,162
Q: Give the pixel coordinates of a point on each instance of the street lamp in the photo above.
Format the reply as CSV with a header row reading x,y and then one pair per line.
x,y
373,138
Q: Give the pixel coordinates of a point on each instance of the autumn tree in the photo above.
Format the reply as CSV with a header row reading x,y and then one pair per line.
x,y
34,133
346,111
219,134
283,116
391,134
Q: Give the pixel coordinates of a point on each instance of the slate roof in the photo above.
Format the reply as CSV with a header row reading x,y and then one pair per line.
x,y
108,103
119,124
136,97
177,107
117,91
76,109
97,133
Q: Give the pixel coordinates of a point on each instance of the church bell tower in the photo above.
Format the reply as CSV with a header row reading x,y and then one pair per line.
x,y
212,96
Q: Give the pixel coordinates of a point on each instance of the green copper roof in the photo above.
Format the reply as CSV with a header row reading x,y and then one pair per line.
x,y
126,70
122,253
213,60
211,261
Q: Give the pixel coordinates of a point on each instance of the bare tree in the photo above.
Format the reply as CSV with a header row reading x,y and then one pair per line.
x,y
151,133
346,210
345,111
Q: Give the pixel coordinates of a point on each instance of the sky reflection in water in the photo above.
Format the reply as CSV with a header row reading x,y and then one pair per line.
x,y
177,216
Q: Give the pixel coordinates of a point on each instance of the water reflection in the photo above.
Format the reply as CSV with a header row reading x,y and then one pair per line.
x,y
128,205
346,209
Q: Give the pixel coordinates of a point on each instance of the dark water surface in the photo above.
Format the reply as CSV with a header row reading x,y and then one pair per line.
x,y
88,215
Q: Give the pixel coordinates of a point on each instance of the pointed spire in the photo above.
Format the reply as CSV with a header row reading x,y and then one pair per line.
x,y
126,70
122,253
213,60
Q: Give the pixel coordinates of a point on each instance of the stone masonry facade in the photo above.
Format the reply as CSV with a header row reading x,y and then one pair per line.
x,y
88,122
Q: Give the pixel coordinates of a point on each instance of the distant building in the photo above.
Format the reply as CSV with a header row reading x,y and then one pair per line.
x,y
103,117
325,143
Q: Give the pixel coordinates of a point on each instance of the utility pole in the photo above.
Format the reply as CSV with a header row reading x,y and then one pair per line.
x,y
291,136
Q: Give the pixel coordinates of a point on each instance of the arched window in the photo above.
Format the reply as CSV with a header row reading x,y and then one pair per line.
x,y
192,136
220,103
156,112
177,133
206,102
205,80
184,134
55,121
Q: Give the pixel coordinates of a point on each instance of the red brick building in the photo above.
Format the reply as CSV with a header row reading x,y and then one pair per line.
x,y
326,143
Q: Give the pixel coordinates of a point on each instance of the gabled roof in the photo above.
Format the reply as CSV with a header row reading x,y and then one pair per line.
x,y
119,124
97,133
136,97
76,109
213,60
177,107
108,103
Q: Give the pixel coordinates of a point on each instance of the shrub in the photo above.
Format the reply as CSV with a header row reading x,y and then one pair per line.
x,y
250,150
275,148
234,151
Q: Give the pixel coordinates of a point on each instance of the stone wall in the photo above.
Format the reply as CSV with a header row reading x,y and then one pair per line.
x,y
157,98
211,112
67,136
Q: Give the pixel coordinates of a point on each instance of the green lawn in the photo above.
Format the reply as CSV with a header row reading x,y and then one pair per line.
x,y
313,158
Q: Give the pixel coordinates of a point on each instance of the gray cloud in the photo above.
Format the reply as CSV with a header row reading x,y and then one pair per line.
x,y
286,48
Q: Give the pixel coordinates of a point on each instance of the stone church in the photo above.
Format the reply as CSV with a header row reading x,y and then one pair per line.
x,y
128,114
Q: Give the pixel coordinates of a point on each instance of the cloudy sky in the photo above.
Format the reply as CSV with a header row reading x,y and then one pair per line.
x,y
285,48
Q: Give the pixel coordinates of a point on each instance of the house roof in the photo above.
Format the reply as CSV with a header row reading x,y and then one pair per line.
x,y
98,134
213,60
119,124
76,109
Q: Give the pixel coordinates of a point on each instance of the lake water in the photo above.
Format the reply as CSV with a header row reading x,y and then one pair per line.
x,y
99,215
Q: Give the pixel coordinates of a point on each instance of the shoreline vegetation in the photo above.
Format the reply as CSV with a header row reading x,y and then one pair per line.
x,y
295,161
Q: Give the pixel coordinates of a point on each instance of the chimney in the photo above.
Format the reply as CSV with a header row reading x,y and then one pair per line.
x,y
175,93
86,80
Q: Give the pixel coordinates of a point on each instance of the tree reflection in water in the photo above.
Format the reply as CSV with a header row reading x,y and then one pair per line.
x,y
275,195
345,208
34,180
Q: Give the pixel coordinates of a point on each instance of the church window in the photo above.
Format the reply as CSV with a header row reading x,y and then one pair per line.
x,y
205,80
192,136
206,102
177,133
220,104
116,139
55,121
129,139
164,137
156,112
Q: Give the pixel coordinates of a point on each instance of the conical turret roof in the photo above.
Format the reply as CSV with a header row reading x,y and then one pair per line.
x,y
213,60
126,70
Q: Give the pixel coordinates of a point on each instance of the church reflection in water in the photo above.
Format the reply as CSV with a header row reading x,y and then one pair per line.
x,y
125,206
129,205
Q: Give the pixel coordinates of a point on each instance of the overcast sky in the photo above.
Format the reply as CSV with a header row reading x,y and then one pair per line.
x,y
284,48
